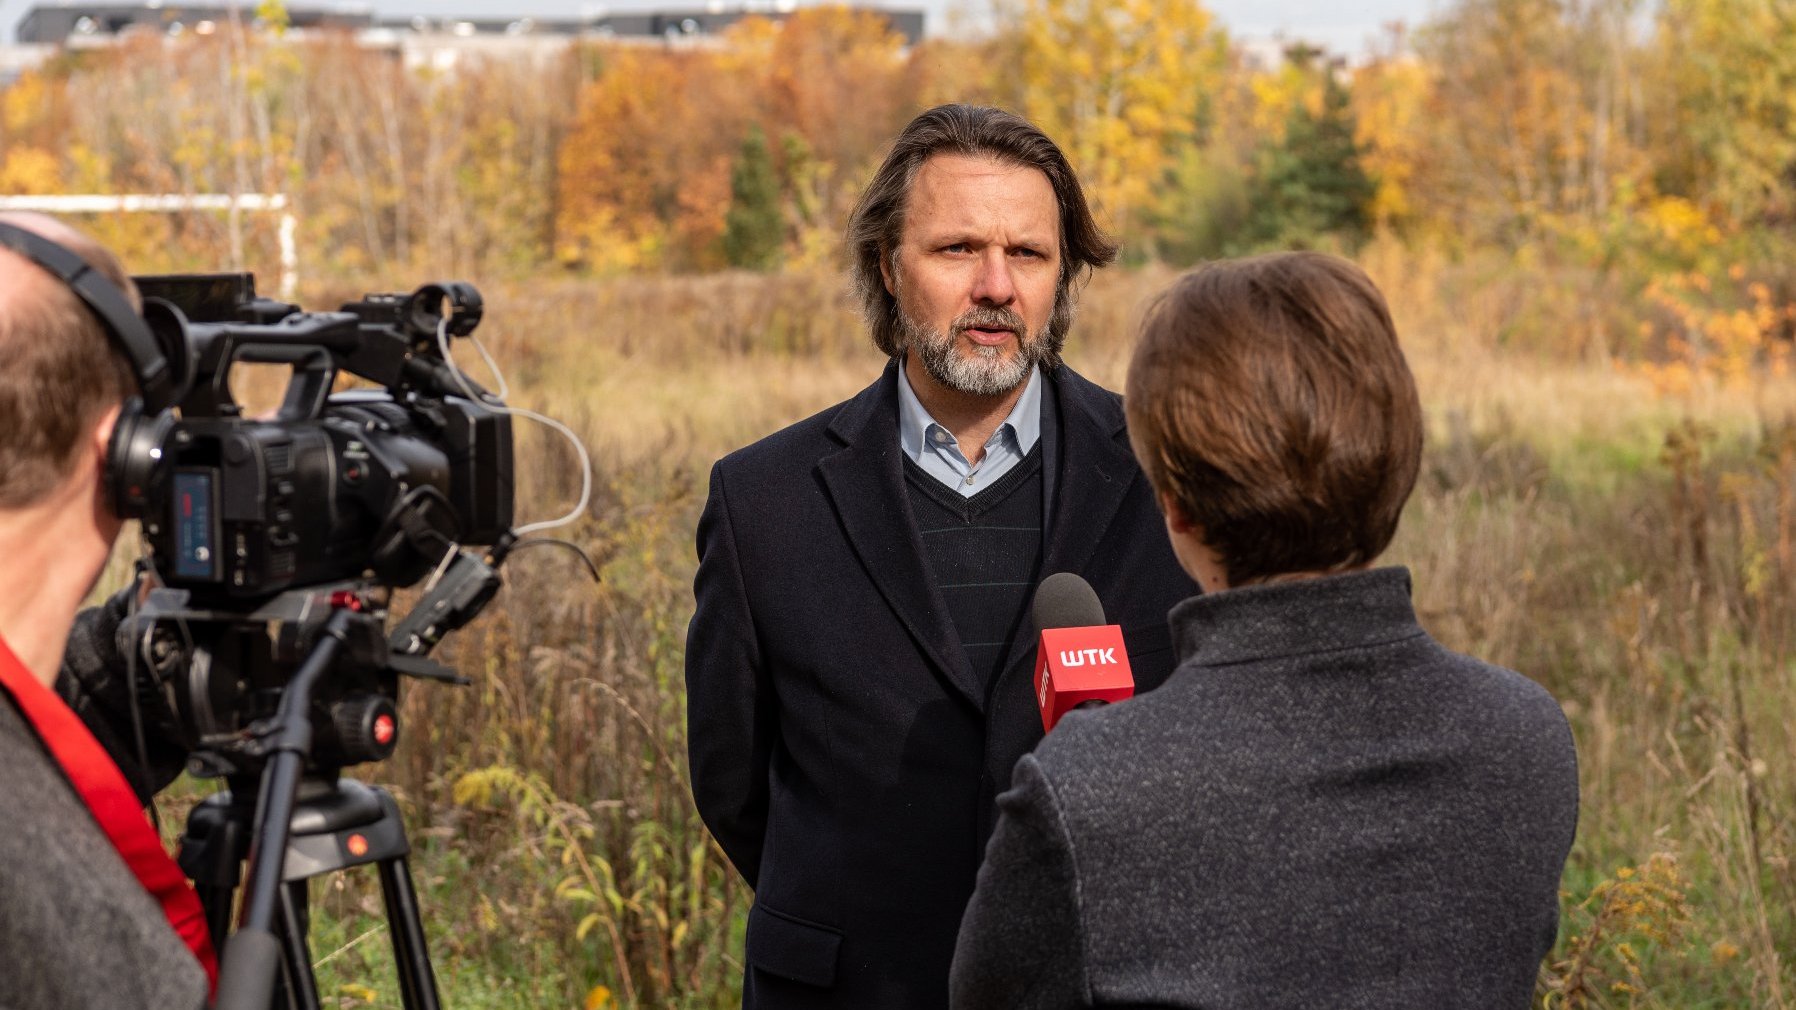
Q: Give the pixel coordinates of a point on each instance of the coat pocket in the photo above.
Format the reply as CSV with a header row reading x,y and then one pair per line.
x,y
793,948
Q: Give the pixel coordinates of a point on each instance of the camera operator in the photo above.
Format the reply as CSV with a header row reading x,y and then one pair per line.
x,y
93,912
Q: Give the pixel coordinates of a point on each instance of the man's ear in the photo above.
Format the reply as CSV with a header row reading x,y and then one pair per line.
x,y
1176,520
885,271
99,439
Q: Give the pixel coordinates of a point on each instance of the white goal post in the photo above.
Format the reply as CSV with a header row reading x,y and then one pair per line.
x,y
102,203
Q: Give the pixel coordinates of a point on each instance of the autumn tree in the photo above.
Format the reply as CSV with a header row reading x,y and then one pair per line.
x,y
1730,134
1535,122
1117,83
829,86
644,169
1390,102
32,114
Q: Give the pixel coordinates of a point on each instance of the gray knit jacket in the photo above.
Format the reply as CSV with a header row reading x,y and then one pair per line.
x,y
77,930
1321,808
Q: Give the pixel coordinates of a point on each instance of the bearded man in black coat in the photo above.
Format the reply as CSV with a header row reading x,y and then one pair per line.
x,y
859,664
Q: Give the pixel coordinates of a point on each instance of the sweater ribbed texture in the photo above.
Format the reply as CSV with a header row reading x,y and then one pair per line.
x,y
984,553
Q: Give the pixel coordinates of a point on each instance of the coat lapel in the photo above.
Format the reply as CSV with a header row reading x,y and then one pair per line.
x,y
1092,471
865,480
1095,471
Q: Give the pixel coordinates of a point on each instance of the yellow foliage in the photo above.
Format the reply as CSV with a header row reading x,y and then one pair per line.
x,y
1639,905
1390,104
30,170
1116,83
22,104
1277,93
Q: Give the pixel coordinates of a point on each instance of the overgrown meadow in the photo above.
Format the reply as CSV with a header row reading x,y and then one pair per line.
x,y
1631,550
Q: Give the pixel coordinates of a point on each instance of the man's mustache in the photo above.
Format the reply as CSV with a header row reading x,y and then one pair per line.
x,y
989,317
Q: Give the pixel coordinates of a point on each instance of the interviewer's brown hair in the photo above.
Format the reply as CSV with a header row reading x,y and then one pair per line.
x,y
62,371
1268,397
877,223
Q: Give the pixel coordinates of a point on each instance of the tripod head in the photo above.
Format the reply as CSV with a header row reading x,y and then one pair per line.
x,y
293,690
224,671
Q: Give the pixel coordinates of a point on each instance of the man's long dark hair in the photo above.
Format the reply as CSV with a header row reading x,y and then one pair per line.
x,y
877,223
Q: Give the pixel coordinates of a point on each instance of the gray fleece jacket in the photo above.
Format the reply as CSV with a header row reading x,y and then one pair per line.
x,y
1322,807
77,930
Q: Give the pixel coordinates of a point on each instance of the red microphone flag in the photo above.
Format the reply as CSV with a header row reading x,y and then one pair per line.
x,y
1074,666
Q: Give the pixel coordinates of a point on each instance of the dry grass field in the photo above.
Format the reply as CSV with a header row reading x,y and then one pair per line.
x,y
1635,553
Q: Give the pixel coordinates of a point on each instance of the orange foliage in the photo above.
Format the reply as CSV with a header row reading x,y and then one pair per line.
x,y
1713,337
645,167
644,162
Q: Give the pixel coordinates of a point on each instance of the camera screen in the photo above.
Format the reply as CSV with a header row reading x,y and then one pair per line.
x,y
196,550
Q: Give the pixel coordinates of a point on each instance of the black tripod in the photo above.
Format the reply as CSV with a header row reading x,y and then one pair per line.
x,y
285,825
336,824
288,817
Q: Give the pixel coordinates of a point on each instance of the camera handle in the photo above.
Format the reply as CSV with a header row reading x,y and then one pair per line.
x,y
309,343
252,955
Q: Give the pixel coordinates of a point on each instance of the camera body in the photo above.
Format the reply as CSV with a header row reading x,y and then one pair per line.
x,y
373,483
260,529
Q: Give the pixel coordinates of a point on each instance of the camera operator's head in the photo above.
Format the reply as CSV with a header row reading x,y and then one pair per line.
x,y
1273,410
60,395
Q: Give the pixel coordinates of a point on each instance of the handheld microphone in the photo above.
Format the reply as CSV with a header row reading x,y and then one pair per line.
x,y
1079,660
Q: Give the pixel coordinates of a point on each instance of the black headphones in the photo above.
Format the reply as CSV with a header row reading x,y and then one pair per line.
x,y
156,344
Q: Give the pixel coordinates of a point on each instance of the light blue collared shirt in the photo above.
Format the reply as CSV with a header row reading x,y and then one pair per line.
x,y
934,449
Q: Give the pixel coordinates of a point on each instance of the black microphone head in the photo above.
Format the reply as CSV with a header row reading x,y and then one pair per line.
x,y
1065,600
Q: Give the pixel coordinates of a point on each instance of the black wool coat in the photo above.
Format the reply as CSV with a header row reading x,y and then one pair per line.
x,y
843,751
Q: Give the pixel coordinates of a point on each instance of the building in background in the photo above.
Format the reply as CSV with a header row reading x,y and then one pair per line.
x,y
438,43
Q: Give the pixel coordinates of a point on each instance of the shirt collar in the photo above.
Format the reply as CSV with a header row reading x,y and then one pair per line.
x,y
914,420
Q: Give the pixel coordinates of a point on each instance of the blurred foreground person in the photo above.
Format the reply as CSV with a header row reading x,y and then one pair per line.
x,y
93,912
1322,807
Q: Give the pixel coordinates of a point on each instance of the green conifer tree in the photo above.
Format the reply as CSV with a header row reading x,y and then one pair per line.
x,y
1312,185
755,227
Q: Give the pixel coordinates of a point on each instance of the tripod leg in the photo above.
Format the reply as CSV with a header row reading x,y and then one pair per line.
x,y
296,965
417,984
216,901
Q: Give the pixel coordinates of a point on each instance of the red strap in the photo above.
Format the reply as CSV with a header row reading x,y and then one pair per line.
x,y
100,784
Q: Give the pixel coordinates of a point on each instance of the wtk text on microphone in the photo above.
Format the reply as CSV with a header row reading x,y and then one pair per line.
x,y
990,714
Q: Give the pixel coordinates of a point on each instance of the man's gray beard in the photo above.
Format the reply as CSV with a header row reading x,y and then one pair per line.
x,y
985,372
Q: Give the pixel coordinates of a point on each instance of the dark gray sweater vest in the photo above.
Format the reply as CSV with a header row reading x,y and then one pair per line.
x,y
984,553
77,930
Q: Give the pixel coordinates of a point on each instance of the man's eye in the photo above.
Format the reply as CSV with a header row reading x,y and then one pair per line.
x,y
957,247
1027,253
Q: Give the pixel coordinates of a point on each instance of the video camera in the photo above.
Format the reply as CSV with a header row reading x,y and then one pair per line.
x,y
259,527
367,483
277,542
